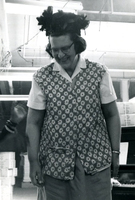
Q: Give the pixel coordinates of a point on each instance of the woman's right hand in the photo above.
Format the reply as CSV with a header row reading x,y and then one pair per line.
x,y
36,175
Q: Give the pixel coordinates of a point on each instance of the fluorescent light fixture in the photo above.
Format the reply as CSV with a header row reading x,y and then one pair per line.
x,y
14,97
36,7
26,73
17,74
23,9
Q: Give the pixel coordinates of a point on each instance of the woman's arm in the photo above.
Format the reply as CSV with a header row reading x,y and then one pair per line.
x,y
112,118
33,128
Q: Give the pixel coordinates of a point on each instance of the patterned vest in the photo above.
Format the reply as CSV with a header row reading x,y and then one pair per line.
x,y
74,124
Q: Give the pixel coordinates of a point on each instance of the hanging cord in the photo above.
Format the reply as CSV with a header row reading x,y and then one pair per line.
x,y
26,42
19,48
23,57
65,4
101,12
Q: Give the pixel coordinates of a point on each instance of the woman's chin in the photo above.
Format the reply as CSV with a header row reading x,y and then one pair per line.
x,y
65,64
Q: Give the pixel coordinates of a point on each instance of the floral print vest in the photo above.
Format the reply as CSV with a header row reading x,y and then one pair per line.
x,y
74,124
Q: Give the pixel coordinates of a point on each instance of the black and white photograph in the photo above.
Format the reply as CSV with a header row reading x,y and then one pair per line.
x,y
67,100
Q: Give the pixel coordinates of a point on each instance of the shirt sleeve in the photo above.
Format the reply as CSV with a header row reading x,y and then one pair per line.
x,y
107,92
37,99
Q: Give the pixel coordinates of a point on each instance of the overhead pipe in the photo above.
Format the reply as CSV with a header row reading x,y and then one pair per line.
x,y
107,12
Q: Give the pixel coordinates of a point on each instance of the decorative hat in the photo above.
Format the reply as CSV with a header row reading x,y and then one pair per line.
x,y
61,22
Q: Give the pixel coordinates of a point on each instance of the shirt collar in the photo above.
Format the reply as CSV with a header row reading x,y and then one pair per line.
x,y
80,65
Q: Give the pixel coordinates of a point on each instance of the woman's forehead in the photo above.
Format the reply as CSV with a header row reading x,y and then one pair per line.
x,y
64,39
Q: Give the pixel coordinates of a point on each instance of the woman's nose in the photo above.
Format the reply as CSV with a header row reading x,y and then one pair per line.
x,y
60,53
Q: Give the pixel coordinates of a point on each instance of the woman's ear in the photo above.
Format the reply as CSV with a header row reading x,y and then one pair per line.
x,y
48,50
80,45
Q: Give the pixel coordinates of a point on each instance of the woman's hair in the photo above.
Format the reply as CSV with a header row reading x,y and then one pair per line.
x,y
62,23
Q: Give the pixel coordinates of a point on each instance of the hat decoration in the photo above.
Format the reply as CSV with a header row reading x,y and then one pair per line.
x,y
61,22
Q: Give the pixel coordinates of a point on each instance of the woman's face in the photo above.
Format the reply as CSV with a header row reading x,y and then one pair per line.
x,y
63,51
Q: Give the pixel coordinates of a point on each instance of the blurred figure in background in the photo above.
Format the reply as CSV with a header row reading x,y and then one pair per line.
x,y
10,139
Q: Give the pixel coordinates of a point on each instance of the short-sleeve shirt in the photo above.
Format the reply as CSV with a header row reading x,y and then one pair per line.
x,y
37,99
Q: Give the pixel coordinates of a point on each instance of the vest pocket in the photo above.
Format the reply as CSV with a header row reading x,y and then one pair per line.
x,y
60,162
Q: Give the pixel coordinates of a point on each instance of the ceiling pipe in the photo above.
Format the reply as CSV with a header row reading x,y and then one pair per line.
x,y
107,12
111,2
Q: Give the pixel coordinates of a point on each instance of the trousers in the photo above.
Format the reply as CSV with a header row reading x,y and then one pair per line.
x,y
82,187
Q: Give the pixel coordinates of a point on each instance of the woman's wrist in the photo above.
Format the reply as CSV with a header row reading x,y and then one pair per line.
x,y
10,126
116,152
11,123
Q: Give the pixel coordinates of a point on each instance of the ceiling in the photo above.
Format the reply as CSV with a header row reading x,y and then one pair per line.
x,y
114,36
110,10
97,10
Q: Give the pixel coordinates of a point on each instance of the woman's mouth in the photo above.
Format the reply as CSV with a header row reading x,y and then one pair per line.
x,y
64,60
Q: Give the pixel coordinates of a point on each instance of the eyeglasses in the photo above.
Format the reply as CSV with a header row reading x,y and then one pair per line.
x,y
64,49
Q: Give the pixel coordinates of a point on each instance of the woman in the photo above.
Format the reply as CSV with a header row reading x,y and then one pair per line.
x,y
73,124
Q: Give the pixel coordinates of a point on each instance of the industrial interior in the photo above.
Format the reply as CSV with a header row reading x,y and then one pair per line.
x,y
110,41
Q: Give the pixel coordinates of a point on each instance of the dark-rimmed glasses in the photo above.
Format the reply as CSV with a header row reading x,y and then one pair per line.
x,y
64,49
